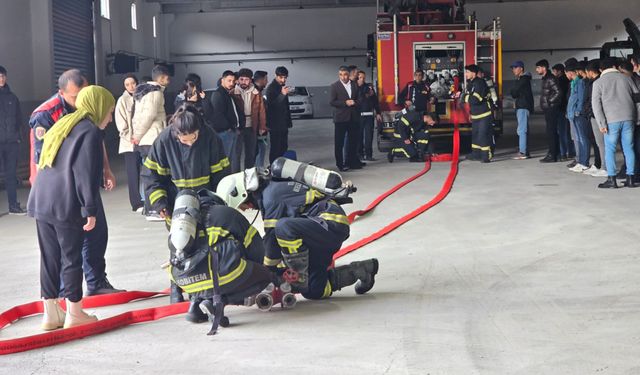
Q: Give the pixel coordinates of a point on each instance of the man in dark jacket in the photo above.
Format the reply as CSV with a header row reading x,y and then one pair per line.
x,y
598,169
565,145
369,113
523,95
278,114
346,117
225,116
416,93
550,103
10,120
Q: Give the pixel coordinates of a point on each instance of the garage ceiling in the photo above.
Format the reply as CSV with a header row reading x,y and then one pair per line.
x,y
204,6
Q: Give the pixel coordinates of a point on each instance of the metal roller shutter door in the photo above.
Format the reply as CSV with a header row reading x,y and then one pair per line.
x,y
73,37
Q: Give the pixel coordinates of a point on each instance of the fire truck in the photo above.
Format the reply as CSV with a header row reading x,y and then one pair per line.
x,y
437,37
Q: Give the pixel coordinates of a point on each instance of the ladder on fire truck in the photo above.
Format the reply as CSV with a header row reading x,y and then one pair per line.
x,y
488,52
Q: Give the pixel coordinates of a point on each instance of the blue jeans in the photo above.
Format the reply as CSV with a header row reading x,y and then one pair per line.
x,y
616,131
228,138
579,125
523,128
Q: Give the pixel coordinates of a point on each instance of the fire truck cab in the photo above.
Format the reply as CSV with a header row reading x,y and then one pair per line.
x,y
436,37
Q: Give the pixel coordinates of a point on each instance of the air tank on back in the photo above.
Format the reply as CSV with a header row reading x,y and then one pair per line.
x,y
323,180
184,222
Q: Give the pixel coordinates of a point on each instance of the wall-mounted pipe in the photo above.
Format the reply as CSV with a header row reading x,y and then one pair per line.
x,y
268,59
354,49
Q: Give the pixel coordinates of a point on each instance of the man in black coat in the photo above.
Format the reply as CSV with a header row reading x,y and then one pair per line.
x,y
10,120
567,149
278,113
550,103
225,116
346,117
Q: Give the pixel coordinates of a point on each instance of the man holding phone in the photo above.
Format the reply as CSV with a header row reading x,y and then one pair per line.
x,y
278,114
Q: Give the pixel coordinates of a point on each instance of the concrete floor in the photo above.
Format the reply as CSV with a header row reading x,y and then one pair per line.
x,y
524,269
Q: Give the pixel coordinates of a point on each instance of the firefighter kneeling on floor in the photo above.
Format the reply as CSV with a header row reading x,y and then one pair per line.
x,y
216,255
304,226
411,136
477,94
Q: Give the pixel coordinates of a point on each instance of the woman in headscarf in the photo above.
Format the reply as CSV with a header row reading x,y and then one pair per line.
x,y
64,202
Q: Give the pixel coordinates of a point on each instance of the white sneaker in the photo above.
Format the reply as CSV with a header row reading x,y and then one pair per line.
x,y
592,169
153,217
578,168
139,210
600,173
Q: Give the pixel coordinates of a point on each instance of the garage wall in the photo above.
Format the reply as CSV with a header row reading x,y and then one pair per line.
x,y
118,35
296,29
556,24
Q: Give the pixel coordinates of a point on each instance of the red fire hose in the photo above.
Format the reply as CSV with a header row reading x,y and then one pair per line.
x,y
144,315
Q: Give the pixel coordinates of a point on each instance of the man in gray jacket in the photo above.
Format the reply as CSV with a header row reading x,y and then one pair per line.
x,y
616,113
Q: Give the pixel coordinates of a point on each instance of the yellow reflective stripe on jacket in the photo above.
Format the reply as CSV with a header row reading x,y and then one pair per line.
x,y
425,141
226,279
466,98
222,164
338,218
154,166
193,182
156,195
215,233
401,150
292,246
248,238
222,280
396,135
483,148
476,117
270,223
311,195
480,98
327,290
404,121
271,262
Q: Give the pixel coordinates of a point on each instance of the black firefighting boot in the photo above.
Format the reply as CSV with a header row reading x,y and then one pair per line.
x,y
195,314
390,156
361,273
298,263
175,296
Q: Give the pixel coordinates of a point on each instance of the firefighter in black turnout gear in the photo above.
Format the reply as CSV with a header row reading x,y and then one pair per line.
x,y
477,94
416,93
216,255
411,136
186,155
303,226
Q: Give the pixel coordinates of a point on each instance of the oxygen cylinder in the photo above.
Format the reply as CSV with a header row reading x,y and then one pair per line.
x,y
323,180
184,222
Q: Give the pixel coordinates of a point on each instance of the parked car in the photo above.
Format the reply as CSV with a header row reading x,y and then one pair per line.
x,y
300,103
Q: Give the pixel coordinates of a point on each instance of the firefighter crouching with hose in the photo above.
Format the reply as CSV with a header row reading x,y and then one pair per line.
x,y
304,225
411,135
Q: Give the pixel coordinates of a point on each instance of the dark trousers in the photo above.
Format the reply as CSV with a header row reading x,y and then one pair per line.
x,y
482,139
365,144
94,247
321,243
279,143
132,162
246,141
418,147
9,160
145,174
60,254
552,117
350,130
